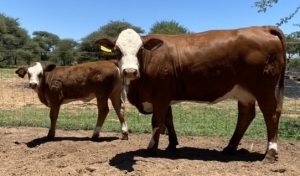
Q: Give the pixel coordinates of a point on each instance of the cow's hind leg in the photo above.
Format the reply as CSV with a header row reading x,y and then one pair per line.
x,y
54,110
119,106
246,113
173,142
103,110
271,113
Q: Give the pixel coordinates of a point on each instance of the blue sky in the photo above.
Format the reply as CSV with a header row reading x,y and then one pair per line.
x,y
76,19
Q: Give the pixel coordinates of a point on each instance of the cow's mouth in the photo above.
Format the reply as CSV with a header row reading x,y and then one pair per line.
x,y
130,74
33,86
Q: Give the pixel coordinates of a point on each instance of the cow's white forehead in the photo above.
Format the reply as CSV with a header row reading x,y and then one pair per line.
x,y
37,68
129,42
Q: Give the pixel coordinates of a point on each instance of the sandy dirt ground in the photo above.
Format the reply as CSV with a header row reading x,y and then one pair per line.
x,y
25,151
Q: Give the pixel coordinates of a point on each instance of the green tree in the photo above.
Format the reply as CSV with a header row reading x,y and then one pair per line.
x,y
168,27
111,30
263,5
65,53
14,40
293,44
45,43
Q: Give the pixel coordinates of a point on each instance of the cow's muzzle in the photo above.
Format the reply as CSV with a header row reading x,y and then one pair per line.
x,y
33,85
130,73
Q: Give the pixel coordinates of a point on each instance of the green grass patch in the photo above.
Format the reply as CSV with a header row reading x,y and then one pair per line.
x,y
7,72
189,119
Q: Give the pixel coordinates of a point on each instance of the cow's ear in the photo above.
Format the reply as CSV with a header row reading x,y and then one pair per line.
x,y
21,72
49,67
106,43
152,44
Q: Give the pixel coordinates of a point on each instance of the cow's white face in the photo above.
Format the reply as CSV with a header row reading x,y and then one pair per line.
x,y
35,73
127,46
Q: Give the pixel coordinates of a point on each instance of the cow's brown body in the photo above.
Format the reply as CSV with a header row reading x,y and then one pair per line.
x,y
245,64
100,80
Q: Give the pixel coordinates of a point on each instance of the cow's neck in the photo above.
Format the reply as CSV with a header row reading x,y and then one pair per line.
x,y
41,91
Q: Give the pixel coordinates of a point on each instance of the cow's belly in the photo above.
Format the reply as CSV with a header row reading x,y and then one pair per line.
x,y
86,98
237,92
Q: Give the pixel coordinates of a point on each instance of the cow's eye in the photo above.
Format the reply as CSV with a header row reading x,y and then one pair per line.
x,y
139,53
40,75
29,75
119,54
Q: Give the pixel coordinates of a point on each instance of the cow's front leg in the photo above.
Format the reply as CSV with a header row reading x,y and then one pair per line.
x,y
173,142
246,113
54,110
158,120
102,113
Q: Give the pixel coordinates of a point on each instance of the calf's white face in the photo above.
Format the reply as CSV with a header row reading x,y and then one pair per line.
x,y
35,73
127,46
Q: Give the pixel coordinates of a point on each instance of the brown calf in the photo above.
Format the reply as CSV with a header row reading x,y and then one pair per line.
x,y
59,85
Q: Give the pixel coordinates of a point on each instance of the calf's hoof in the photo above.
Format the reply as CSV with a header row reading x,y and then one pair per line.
x,y
124,136
229,150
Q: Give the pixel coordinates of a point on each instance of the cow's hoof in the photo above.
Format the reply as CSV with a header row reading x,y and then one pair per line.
x,y
229,150
95,137
152,152
124,136
171,148
271,156
50,138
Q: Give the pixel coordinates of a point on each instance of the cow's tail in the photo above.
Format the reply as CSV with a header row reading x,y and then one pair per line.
x,y
280,93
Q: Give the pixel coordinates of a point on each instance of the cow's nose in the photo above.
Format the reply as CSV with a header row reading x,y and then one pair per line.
x,y
130,73
33,85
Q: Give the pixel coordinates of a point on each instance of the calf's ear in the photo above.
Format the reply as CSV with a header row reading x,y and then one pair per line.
x,y
152,44
106,43
49,67
21,72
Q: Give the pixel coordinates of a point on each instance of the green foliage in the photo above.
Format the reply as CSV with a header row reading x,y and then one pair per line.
x,y
65,52
263,5
294,64
12,38
168,27
293,44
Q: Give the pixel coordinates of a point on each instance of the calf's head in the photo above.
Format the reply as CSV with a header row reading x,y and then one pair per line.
x,y
128,48
35,73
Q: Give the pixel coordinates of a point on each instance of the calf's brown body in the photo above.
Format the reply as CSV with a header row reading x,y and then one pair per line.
x,y
60,85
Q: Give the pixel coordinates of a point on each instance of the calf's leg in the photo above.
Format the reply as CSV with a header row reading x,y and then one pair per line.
x,y
54,110
103,110
119,106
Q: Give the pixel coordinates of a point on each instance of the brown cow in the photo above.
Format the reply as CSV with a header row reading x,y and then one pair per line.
x,y
245,64
59,85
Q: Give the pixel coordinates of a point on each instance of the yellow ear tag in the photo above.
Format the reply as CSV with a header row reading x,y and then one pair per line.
x,y
105,50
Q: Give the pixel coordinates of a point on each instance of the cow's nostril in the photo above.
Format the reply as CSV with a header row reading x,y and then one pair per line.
x,y
33,85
